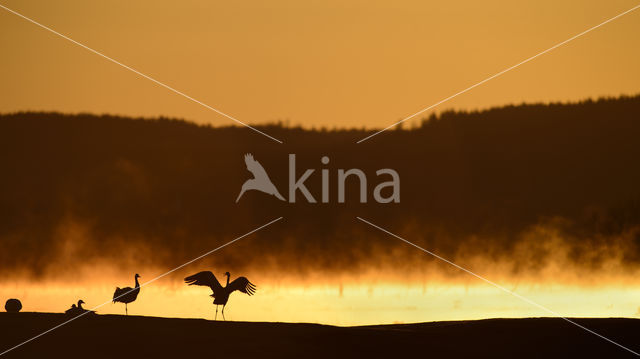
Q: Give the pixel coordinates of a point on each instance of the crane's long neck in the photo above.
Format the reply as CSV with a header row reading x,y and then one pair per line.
x,y
80,305
137,284
228,276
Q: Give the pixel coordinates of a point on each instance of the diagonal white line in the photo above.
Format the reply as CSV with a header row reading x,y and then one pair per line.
x,y
500,73
141,74
527,300
142,285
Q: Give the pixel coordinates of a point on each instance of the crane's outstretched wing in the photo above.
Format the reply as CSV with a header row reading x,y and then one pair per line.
x,y
205,278
242,284
255,167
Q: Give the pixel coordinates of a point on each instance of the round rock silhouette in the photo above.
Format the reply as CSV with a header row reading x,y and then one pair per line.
x,y
13,305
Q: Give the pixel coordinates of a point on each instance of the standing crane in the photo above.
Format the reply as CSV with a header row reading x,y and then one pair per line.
x,y
220,293
127,295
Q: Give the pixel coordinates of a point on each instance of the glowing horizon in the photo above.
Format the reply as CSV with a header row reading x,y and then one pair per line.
x,y
344,305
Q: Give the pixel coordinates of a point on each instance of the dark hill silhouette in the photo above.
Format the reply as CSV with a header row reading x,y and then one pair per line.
x,y
490,176
109,336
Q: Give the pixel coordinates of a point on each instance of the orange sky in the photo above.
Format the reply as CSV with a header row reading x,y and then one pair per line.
x,y
333,63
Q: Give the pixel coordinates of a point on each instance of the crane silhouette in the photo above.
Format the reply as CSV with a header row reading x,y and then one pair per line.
x,y
220,293
260,180
127,295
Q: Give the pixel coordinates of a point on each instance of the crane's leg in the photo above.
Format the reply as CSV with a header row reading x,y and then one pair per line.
x,y
126,311
225,319
216,318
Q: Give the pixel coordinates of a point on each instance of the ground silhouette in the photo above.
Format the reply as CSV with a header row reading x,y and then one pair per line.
x,y
108,336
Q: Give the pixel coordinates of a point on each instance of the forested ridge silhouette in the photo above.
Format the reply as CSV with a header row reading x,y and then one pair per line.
x,y
501,184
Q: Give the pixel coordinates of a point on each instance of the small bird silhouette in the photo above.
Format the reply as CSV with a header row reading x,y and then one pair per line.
x,y
72,311
221,294
127,295
260,180
78,310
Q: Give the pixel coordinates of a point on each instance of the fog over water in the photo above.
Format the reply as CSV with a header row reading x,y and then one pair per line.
x,y
526,195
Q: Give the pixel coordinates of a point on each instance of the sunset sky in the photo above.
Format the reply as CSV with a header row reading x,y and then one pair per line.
x,y
90,201
313,63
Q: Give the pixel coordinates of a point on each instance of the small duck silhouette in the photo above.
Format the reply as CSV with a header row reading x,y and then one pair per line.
x,y
260,180
78,310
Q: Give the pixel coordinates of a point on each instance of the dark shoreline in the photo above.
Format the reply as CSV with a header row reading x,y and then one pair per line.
x,y
108,336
